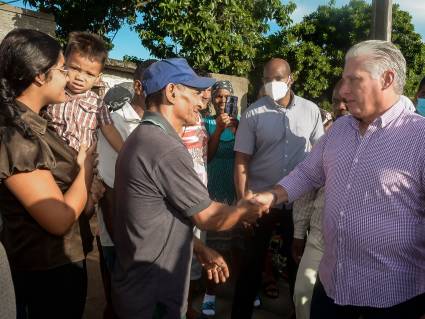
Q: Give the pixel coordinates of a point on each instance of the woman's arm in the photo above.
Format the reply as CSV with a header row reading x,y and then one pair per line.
x,y
222,121
40,195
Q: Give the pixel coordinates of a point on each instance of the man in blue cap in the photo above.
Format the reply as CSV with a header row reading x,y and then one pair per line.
x,y
159,198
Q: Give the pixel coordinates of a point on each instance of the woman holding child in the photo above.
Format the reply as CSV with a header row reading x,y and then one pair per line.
x,y
43,182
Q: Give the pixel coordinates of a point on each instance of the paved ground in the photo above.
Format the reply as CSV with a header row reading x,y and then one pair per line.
x,y
271,308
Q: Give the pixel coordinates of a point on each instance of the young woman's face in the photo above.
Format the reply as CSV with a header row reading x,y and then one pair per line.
x,y
57,78
219,100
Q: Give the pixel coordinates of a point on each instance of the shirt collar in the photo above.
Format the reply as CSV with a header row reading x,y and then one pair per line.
x,y
34,120
157,119
382,121
71,96
129,114
290,105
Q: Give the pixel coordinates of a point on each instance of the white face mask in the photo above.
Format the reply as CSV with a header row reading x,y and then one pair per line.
x,y
276,89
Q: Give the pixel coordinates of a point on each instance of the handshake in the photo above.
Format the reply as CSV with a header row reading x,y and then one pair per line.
x,y
256,205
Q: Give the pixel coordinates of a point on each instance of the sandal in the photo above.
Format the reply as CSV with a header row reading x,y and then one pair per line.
x,y
271,289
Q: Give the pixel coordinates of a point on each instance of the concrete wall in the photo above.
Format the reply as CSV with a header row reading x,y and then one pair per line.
x,y
240,87
13,17
116,72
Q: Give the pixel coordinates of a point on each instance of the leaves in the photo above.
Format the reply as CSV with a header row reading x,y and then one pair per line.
x,y
216,36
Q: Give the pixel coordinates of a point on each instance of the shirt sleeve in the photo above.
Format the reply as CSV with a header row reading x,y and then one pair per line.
x,y
103,116
318,129
180,184
307,175
19,154
245,135
303,209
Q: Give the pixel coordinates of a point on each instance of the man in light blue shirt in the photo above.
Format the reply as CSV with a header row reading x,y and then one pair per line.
x,y
275,134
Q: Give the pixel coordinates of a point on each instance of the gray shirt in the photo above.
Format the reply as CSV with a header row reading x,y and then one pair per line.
x,y
278,138
156,192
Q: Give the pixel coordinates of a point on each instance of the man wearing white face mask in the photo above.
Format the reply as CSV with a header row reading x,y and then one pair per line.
x,y
275,133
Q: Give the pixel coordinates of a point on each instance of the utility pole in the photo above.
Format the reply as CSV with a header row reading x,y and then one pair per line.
x,y
382,19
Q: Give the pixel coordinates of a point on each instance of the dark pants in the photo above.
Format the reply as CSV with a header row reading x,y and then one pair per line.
x,y
252,261
106,263
55,293
324,307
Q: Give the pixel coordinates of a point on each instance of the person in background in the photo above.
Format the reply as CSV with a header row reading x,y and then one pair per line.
x,y
420,98
195,139
221,129
7,292
339,106
275,133
308,223
44,183
78,118
129,105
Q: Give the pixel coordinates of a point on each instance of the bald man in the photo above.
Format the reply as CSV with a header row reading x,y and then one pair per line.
x,y
275,133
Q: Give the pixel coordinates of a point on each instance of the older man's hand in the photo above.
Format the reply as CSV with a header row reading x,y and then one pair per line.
x,y
253,208
214,264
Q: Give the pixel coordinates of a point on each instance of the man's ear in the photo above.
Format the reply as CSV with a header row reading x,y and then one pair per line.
x,y
138,88
40,79
387,79
170,92
291,79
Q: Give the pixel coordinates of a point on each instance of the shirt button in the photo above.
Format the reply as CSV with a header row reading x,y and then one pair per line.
x,y
286,141
286,156
356,160
340,265
348,186
341,214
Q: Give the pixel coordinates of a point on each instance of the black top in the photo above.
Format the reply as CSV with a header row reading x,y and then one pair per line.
x,y
28,245
156,192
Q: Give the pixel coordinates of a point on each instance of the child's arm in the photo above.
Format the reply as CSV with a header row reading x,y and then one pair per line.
x,y
112,136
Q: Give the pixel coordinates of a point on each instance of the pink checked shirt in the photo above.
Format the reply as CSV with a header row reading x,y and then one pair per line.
x,y
77,120
374,216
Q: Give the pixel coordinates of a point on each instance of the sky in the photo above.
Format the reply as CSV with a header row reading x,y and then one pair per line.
x,y
127,42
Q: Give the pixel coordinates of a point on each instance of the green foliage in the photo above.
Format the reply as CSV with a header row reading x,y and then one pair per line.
x,y
232,36
101,17
315,47
132,58
220,36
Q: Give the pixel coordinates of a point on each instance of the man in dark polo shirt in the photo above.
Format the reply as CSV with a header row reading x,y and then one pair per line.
x,y
160,198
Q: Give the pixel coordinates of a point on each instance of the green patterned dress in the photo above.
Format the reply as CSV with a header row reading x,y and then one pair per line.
x,y
220,182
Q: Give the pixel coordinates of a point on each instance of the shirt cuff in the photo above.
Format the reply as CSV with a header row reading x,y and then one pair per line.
x,y
198,208
299,233
291,185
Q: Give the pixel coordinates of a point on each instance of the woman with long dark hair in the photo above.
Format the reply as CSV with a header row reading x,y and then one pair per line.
x,y
43,182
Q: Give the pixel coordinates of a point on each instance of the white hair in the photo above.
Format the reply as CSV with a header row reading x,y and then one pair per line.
x,y
382,56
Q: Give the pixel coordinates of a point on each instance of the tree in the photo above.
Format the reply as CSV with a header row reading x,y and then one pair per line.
x,y
101,17
316,46
220,36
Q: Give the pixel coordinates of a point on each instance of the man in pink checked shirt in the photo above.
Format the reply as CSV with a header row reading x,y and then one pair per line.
x,y
374,231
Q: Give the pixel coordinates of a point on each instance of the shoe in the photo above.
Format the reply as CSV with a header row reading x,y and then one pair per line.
x,y
208,308
257,302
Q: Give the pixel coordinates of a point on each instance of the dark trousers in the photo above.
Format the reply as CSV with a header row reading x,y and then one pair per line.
x,y
252,260
55,293
106,262
324,307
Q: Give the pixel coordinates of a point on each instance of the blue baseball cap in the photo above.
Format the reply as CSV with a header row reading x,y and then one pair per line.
x,y
174,70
